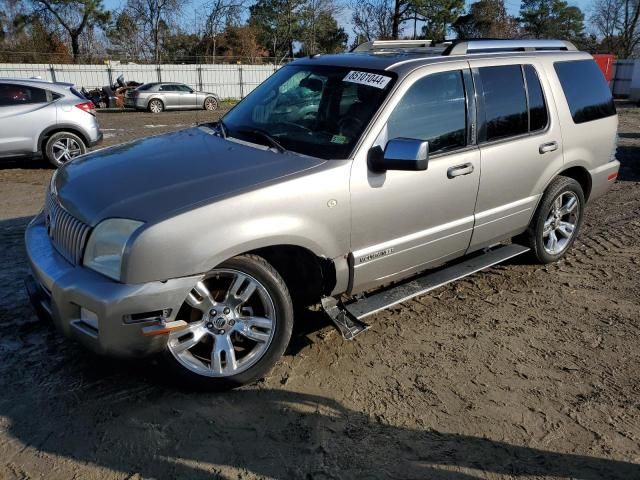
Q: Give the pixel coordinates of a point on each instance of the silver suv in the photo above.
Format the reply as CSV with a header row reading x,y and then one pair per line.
x,y
40,118
157,97
406,168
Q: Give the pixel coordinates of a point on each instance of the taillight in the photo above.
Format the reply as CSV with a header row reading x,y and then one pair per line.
x,y
88,107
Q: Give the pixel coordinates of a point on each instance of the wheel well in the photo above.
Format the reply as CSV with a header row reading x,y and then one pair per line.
x,y
582,176
308,277
49,133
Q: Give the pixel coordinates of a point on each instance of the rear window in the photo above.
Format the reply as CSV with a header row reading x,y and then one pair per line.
x,y
538,117
20,95
505,100
586,90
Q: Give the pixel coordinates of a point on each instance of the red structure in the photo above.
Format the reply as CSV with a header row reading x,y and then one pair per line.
x,y
605,61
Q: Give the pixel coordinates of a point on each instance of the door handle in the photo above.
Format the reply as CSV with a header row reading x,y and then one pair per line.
x,y
548,147
464,169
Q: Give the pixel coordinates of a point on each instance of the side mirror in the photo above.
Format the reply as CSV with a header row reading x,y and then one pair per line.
x,y
400,154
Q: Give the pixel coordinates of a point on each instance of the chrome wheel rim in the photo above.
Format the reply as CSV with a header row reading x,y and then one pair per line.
x,y
155,106
231,323
561,223
65,149
210,104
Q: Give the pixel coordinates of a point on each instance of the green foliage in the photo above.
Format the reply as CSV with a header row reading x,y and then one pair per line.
x,y
438,16
74,16
486,19
551,19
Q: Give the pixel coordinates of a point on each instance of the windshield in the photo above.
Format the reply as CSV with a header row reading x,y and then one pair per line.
x,y
319,110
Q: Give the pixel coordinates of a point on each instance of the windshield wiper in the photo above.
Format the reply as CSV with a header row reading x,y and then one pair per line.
x,y
264,135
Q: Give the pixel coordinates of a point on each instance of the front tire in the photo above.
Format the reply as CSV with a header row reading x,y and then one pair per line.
x,y
62,147
557,220
210,104
240,318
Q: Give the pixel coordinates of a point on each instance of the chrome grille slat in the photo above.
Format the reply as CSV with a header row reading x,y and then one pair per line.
x,y
68,234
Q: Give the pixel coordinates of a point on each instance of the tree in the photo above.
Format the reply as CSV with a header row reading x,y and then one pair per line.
x,y
438,16
125,35
222,14
242,42
74,16
618,24
319,30
551,19
277,22
486,19
372,20
153,17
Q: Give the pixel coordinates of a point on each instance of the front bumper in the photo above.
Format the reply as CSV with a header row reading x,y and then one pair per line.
x,y
104,315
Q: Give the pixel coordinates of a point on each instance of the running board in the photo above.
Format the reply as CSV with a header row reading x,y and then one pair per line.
x,y
430,281
348,317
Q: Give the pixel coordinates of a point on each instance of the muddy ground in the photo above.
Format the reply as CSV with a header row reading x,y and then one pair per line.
x,y
520,371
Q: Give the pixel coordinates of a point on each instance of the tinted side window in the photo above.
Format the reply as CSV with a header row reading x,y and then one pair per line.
x,y
586,90
433,109
168,88
537,109
20,95
505,101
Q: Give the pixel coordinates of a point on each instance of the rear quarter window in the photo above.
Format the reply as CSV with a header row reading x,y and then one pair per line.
x,y
585,89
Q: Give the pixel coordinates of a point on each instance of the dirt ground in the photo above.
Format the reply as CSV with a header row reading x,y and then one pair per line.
x,y
520,371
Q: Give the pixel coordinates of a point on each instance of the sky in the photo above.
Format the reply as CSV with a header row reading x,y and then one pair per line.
x,y
344,19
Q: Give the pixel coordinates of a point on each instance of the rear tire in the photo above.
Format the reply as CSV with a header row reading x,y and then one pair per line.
x,y
557,221
156,106
231,340
62,147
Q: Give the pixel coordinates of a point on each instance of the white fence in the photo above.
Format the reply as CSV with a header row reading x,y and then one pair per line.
x,y
225,80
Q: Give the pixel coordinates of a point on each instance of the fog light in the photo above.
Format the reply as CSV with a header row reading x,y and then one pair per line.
x,y
88,317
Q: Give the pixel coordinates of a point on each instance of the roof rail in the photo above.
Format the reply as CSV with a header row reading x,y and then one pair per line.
x,y
491,46
393,45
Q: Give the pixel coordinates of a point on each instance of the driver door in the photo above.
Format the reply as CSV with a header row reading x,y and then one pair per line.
x,y
407,221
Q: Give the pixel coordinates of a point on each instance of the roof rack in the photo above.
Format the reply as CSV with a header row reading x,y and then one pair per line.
x,y
493,46
422,46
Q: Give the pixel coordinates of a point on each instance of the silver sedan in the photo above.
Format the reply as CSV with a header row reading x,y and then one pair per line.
x,y
157,97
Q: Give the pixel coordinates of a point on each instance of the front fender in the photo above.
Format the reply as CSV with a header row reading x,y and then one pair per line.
x,y
311,211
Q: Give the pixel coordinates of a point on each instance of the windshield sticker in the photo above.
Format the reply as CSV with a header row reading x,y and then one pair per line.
x,y
366,78
339,139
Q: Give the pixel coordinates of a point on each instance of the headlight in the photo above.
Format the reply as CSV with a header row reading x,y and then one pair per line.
x,y
106,246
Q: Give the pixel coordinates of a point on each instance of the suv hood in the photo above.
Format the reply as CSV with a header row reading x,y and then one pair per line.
x,y
151,178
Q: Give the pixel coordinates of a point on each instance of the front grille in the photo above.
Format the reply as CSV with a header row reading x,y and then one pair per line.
x,y
67,233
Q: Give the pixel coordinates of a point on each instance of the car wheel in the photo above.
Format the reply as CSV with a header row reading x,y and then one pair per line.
x,y
156,106
63,146
210,103
557,220
239,321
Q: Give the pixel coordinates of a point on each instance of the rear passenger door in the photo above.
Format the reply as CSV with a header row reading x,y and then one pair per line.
x,y
520,145
24,113
170,96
